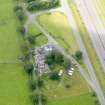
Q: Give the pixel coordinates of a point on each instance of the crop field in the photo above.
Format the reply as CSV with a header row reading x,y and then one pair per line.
x,y
13,80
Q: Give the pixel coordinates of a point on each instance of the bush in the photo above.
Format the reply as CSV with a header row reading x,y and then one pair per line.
x,y
93,94
54,76
32,85
78,55
40,83
56,57
40,5
44,99
20,13
31,39
34,98
29,68
67,86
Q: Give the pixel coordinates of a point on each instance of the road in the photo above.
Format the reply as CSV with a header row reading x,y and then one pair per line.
x,y
65,8
94,27
75,30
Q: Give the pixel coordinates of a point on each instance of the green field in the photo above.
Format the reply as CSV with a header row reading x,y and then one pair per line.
x,y
14,85
57,24
40,39
88,44
13,80
84,99
58,88
62,33
58,94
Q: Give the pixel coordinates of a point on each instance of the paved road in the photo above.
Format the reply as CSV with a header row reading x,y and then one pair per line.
x,y
72,22
94,27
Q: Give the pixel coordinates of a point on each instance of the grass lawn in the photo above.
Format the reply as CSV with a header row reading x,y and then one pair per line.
x,y
57,24
58,94
13,81
40,39
14,85
58,88
84,99
88,44
9,39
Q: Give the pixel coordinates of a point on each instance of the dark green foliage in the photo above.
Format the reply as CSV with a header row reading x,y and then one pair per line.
x,y
44,99
56,57
40,5
28,1
40,83
29,68
31,39
20,13
93,94
67,86
32,85
54,76
34,98
78,55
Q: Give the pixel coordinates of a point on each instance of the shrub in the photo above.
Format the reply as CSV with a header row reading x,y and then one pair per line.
x,y
78,55
31,39
40,83
44,99
40,5
32,85
29,68
54,76
34,98
67,86
20,13
56,57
